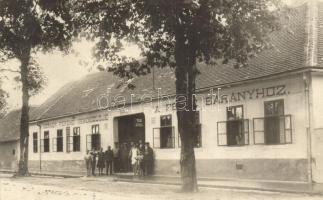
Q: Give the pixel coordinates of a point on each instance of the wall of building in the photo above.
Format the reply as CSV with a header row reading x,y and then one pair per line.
x,y
72,161
317,127
278,162
9,155
286,162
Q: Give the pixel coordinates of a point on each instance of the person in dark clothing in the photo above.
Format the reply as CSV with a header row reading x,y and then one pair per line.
x,y
109,160
141,146
129,165
140,159
93,161
148,160
101,163
124,157
116,158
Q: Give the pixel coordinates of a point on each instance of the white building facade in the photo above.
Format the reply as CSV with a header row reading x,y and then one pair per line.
x,y
262,122
262,132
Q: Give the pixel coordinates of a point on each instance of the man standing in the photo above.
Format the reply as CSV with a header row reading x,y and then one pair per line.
x,y
93,161
133,154
88,163
101,161
148,160
116,157
109,160
124,157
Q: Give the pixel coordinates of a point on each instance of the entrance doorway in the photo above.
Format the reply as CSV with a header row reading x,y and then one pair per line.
x,y
131,129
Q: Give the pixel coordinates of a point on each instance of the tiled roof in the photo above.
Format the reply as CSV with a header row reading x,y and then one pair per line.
x,y
287,55
10,125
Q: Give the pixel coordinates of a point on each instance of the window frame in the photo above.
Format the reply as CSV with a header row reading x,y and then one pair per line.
x,y
165,125
95,131
290,130
154,137
279,116
42,143
286,117
76,134
246,131
56,140
35,142
245,127
68,141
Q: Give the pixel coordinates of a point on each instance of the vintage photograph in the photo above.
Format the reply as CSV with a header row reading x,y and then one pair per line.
x,y
161,99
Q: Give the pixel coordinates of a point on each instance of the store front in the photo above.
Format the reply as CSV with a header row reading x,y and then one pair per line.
x,y
261,122
131,128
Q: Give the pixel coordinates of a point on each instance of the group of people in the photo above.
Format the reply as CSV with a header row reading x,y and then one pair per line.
x,y
99,159
136,157
142,159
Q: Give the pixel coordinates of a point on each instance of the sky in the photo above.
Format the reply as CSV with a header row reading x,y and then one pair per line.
x,y
60,69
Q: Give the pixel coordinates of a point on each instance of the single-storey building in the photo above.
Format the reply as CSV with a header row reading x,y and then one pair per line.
x,y
9,140
263,121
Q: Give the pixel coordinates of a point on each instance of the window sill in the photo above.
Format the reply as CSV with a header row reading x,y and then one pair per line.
x,y
244,145
280,144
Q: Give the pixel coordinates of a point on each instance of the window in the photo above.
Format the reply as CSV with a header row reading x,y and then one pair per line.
x,y
45,143
164,136
275,126
93,141
198,136
58,141
235,130
68,140
35,142
166,120
73,141
76,139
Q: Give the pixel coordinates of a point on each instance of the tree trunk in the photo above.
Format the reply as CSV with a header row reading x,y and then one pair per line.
x,y
24,121
187,160
185,87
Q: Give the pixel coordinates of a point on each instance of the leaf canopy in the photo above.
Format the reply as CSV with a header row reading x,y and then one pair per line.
x,y
30,26
213,30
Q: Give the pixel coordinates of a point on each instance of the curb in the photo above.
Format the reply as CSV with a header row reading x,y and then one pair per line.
x,y
43,174
225,187
140,181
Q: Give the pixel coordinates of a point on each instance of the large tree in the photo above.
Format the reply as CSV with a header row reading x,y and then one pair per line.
x,y
27,27
179,34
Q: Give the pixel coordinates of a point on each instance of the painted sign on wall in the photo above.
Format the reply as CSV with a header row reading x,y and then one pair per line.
x,y
216,96
255,93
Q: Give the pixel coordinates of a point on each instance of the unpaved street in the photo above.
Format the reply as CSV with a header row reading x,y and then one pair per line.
x,y
49,188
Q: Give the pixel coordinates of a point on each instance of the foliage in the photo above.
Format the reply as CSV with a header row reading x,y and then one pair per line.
x,y
26,27
42,24
36,78
214,31
38,25
179,34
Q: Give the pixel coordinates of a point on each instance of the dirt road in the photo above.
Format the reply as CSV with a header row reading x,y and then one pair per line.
x,y
49,188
